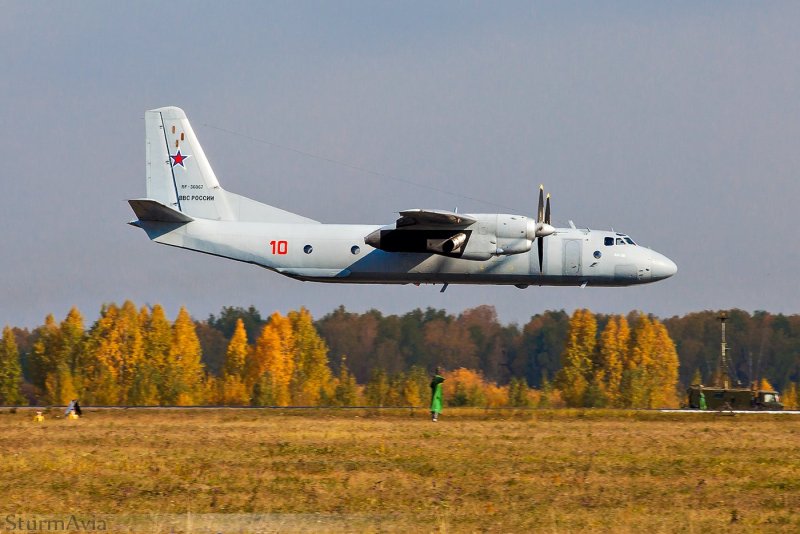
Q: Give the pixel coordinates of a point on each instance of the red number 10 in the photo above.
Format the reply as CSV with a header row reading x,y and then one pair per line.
x,y
279,247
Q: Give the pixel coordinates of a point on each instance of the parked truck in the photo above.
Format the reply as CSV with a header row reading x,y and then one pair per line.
x,y
701,397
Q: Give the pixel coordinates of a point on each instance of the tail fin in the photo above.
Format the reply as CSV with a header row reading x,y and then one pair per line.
x,y
180,177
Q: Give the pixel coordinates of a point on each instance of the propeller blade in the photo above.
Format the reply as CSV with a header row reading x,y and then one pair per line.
x,y
547,210
540,244
540,213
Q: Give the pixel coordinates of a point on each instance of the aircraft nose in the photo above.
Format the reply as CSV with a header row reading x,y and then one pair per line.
x,y
662,267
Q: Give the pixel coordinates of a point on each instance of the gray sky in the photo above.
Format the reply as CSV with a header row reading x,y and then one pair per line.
x,y
676,122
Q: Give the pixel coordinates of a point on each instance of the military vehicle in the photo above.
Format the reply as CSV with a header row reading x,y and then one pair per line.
x,y
717,398
723,396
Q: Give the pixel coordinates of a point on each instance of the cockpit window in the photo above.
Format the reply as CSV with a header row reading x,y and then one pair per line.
x,y
620,241
608,241
629,241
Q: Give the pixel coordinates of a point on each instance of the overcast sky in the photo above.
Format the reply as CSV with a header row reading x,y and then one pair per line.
x,y
676,122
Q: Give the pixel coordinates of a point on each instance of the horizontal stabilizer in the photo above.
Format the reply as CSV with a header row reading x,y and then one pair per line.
x,y
147,209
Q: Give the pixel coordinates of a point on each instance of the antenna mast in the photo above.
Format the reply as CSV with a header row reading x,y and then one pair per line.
x,y
723,359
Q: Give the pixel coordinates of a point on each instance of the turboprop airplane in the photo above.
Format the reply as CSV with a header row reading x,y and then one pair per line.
x,y
187,208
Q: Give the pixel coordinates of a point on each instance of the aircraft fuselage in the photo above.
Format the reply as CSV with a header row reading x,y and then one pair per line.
x,y
338,253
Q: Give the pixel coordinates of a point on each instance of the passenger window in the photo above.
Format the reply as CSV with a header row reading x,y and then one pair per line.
x,y
620,241
608,241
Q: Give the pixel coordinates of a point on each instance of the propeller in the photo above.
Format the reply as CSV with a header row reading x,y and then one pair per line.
x,y
543,228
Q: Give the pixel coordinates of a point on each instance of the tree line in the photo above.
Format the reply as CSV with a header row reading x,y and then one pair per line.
x,y
137,356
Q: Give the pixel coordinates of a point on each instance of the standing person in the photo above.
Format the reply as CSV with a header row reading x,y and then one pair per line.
x,y
436,394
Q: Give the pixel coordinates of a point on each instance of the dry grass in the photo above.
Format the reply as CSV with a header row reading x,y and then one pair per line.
x,y
499,471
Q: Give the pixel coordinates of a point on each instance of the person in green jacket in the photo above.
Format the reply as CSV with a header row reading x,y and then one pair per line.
x,y
436,394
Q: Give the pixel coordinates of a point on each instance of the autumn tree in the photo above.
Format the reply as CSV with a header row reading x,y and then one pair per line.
x,y
577,360
789,397
153,385
234,390
270,367
132,349
346,392
518,393
311,374
236,354
665,369
10,369
102,359
183,369
415,387
464,387
611,358
73,339
650,375
142,390
377,392
56,358
44,356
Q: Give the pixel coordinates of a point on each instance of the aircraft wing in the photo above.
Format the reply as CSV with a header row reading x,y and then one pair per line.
x,y
434,217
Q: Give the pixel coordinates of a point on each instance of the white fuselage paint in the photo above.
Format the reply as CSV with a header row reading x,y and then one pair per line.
x,y
569,256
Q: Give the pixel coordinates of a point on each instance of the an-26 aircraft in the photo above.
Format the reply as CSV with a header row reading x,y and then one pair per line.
x,y
186,207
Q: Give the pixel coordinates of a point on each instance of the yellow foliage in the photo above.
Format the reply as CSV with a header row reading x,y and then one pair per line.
x,y
665,369
273,358
765,385
613,358
10,369
184,369
185,399
311,373
467,387
496,396
576,362
237,351
412,396
651,374
468,378
234,392
789,397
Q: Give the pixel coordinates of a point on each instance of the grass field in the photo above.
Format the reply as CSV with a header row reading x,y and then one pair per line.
x,y
356,470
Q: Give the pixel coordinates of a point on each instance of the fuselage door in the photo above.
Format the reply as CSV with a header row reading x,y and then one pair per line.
x,y
572,257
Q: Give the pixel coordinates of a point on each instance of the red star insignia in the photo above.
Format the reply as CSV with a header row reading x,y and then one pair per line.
x,y
179,158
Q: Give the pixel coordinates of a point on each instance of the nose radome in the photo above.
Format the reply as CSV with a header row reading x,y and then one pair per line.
x,y
662,267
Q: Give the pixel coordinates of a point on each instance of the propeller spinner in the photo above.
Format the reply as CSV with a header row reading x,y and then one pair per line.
x,y
543,228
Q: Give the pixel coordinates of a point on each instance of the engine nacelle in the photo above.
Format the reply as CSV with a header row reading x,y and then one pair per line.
x,y
515,234
489,235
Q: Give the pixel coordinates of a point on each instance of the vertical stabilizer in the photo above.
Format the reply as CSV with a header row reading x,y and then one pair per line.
x,y
178,173
180,177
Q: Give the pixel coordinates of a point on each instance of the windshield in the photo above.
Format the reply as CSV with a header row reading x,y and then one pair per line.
x,y
621,239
